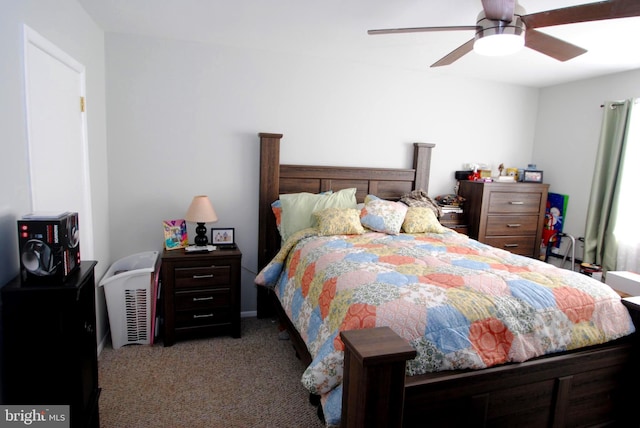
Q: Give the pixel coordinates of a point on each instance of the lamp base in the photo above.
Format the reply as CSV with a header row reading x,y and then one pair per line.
x,y
201,236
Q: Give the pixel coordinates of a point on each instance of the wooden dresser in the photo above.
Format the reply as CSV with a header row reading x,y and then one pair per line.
x,y
50,352
506,215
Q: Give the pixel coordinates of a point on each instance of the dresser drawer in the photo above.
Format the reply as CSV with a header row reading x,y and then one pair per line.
x,y
514,202
202,317
214,298
524,245
202,276
512,225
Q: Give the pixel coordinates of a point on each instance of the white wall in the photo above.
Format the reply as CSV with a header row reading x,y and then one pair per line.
x,y
67,25
567,134
184,119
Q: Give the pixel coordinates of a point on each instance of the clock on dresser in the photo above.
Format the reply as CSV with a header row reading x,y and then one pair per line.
x,y
201,293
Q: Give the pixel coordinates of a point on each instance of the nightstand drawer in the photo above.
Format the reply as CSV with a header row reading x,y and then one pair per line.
x,y
201,276
216,298
514,202
512,224
452,218
202,317
523,245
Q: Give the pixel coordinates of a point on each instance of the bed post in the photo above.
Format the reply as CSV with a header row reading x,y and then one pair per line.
x,y
268,239
422,165
374,376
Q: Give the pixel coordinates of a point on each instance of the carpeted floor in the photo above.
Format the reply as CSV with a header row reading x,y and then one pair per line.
x,y
216,382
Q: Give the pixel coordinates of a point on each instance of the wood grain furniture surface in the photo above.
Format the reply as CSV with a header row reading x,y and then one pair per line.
x,y
506,215
49,350
586,387
201,294
456,221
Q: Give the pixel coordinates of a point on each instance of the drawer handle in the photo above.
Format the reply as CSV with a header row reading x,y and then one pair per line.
x,y
513,225
210,275
516,203
201,299
202,316
510,245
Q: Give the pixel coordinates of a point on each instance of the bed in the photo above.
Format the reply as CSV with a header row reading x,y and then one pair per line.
x,y
375,377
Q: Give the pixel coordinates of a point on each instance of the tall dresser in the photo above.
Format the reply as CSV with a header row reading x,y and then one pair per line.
x,y
50,351
506,215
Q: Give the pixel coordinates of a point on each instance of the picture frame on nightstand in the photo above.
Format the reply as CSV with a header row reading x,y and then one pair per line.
x,y
532,176
175,234
223,238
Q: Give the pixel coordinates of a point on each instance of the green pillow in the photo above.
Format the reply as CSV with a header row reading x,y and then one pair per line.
x,y
297,208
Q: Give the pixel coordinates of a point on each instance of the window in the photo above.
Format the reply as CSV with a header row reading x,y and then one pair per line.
x,y
627,231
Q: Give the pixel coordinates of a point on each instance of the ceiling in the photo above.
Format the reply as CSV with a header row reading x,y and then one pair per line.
x,y
337,30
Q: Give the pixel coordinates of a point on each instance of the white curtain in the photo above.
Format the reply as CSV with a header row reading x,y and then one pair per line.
x,y
627,231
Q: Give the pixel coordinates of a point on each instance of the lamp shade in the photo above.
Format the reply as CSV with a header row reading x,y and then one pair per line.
x,y
201,210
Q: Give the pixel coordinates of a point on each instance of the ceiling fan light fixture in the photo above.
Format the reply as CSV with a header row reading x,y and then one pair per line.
x,y
498,44
499,38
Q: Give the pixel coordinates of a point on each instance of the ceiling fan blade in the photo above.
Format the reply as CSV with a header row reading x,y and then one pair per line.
x,y
422,29
551,46
455,54
501,10
611,9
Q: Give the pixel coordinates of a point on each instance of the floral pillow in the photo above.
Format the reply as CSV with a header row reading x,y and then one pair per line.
x,y
421,220
338,221
383,216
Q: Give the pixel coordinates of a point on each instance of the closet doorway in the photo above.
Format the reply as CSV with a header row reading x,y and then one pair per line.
x,y
56,133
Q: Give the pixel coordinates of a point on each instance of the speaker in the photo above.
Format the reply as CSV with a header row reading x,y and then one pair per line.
x,y
49,246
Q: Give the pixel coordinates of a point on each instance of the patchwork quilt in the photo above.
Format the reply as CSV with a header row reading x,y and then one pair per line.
x,y
460,303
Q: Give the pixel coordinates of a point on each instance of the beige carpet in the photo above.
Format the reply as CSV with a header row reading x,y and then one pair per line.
x,y
216,382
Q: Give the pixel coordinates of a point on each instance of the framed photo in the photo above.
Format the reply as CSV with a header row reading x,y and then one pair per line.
x,y
223,236
532,176
175,234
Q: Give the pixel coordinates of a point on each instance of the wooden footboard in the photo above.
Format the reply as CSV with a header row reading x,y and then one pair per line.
x,y
589,387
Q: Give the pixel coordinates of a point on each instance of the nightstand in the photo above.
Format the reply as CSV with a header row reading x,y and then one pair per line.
x,y
456,221
201,294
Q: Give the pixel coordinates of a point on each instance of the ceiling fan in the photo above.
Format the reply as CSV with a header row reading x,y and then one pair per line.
x,y
505,22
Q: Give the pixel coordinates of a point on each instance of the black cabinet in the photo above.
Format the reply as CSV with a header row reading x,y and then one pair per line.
x,y
49,345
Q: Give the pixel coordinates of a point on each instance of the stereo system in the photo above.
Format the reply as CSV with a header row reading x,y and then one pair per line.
x,y
49,246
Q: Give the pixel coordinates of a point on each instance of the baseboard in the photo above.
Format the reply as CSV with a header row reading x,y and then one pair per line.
x,y
249,314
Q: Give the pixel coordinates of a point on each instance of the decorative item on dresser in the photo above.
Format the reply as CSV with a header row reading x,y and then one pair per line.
x,y
506,215
50,352
201,293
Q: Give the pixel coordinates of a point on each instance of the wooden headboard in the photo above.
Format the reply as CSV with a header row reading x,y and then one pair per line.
x,y
277,179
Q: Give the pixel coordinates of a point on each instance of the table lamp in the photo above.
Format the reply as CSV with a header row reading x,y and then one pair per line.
x,y
201,211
